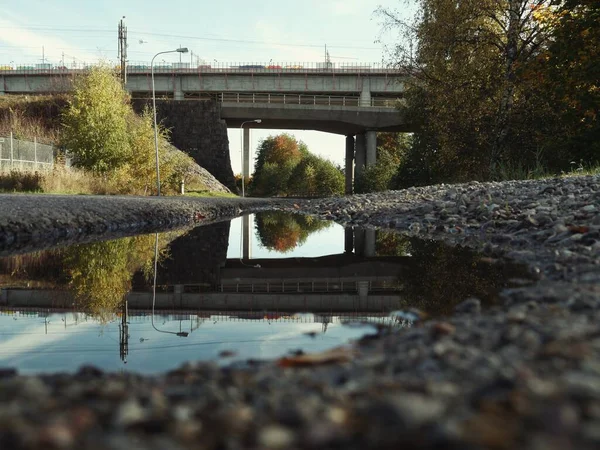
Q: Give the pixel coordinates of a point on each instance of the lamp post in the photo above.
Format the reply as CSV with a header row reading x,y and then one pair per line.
x,y
181,333
242,138
179,50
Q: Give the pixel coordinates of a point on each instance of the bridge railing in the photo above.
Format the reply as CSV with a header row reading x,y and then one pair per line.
x,y
143,67
304,99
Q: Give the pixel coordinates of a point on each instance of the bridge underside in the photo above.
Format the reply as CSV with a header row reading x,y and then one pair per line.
x,y
345,120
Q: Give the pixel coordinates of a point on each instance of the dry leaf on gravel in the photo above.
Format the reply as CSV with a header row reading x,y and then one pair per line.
x,y
336,355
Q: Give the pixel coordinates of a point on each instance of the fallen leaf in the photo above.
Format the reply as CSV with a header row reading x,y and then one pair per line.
x,y
336,355
442,328
578,229
296,206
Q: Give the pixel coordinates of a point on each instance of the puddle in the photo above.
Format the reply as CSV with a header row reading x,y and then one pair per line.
x,y
257,287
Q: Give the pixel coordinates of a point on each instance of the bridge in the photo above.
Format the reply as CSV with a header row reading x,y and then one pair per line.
x,y
355,101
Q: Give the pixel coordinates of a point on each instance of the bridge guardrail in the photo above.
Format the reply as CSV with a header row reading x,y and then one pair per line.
x,y
143,67
304,99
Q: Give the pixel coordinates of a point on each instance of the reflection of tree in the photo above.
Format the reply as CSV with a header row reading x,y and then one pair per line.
x,y
282,232
390,243
439,276
100,273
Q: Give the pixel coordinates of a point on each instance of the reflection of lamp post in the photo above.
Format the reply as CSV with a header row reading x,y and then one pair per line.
x,y
242,137
181,333
179,50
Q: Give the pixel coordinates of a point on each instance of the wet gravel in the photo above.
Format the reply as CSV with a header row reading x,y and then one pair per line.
x,y
525,374
35,222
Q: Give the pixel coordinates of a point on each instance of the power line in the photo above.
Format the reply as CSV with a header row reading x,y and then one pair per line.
x,y
180,36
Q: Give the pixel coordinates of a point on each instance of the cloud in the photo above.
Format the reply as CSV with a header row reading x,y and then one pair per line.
x,y
28,42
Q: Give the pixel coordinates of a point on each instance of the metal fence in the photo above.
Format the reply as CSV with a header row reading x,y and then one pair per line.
x,y
305,99
17,154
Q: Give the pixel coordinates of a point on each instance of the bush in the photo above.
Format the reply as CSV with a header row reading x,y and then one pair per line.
x,y
16,181
378,177
95,122
316,177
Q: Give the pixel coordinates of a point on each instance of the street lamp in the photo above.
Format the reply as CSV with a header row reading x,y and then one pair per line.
x,y
181,333
242,139
179,50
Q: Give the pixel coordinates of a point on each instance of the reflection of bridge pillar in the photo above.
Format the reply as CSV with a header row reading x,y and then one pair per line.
x,y
246,237
359,241
369,249
178,293
177,90
348,240
361,157
371,138
246,154
349,163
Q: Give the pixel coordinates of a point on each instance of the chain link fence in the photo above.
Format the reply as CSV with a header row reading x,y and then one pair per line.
x,y
16,154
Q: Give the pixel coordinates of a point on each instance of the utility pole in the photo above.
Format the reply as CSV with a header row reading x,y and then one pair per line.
x,y
123,50
124,333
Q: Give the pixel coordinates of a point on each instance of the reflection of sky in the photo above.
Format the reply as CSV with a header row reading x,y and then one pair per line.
x,y
329,241
30,345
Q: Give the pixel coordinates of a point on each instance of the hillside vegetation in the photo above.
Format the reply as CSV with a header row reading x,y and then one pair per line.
x,y
111,148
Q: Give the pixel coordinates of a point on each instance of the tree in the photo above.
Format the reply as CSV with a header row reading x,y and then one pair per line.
x,y
568,73
467,94
104,135
95,122
314,176
392,149
276,158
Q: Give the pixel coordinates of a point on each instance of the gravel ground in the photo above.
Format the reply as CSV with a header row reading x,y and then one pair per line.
x,y
525,374
34,222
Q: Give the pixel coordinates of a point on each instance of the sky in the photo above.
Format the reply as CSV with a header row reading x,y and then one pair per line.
x,y
234,31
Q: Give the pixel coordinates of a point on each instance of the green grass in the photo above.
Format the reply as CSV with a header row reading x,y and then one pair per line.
x,y
209,194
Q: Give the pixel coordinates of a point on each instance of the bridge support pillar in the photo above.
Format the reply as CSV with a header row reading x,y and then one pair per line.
x,y
246,236
365,93
369,244
359,241
361,155
349,163
348,240
246,154
371,138
177,90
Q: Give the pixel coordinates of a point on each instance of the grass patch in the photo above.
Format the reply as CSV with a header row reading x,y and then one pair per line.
x,y
16,181
70,180
210,194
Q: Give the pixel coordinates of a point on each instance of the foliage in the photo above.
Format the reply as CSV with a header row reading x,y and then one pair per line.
x,y
314,176
100,273
106,137
282,232
17,181
390,243
497,84
392,149
29,117
276,158
95,122
285,167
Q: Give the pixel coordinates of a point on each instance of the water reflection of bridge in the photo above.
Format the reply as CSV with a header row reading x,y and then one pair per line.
x,y
73,316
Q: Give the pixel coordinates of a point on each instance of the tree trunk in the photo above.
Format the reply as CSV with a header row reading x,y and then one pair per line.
x,y
508,89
